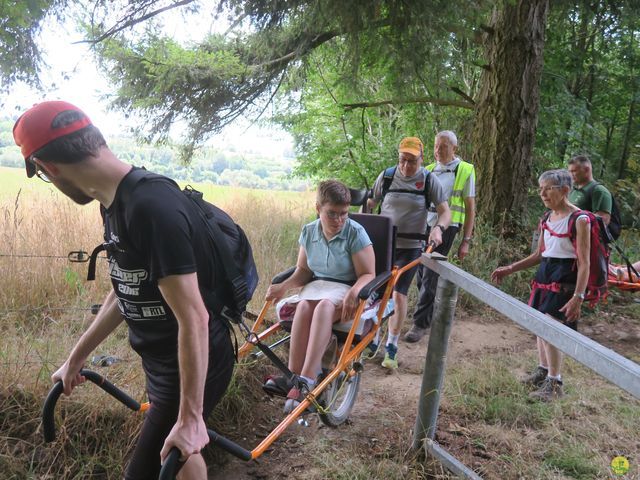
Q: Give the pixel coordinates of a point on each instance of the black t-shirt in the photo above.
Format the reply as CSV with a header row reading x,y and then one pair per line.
x,y
155,236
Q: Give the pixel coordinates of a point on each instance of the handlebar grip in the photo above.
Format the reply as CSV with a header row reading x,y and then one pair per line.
x,y
170,465
172,462
48,422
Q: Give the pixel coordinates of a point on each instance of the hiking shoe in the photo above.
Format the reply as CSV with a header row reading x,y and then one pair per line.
x,y
371,350
415,334
536,378
391,357
551,389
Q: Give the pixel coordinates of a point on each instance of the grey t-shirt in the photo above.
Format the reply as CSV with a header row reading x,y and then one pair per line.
x,y
446,175
408,210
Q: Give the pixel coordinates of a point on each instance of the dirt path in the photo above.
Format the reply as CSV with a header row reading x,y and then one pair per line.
x,y
385,398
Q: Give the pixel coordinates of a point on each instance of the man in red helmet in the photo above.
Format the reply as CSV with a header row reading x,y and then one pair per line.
x,y
159,264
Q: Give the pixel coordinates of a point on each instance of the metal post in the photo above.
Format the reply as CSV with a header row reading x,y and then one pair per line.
x,y
433,375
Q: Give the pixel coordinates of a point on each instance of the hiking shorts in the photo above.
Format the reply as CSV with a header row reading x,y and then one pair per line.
x,y
554,271
404,256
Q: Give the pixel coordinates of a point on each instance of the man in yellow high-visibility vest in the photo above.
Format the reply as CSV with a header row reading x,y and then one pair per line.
x,y
458,181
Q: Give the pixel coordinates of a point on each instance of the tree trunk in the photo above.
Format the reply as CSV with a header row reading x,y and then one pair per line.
x,y
507,111
624,156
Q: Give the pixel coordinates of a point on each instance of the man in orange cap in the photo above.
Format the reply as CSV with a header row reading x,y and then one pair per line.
x,y
405,192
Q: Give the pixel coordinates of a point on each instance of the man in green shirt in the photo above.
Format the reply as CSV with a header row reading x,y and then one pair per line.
x,y
588,194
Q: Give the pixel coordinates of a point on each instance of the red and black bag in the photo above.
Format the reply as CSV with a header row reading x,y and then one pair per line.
x,y
599,254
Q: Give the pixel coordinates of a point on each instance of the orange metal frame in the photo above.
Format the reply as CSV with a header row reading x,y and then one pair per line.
x,y
349,354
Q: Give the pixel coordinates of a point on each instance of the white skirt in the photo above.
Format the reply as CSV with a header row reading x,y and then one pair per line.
x,y
323,290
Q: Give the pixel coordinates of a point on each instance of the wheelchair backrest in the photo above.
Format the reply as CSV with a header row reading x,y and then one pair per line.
x,y
359,198
382,233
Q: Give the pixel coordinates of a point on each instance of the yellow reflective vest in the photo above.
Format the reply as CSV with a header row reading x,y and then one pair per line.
x,y
464,170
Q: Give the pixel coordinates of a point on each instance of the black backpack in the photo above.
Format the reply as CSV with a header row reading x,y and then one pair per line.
x,y
615,224
227,239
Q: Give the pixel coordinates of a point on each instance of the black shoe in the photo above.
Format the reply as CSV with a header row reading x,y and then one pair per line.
x,y
551,389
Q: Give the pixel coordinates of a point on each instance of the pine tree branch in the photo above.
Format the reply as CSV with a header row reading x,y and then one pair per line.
x,y
133,21
436,101
463,95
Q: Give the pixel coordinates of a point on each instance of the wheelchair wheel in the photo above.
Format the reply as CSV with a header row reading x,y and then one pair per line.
x,y
340,396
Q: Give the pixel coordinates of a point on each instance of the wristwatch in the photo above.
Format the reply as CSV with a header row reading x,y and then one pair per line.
x,y
579,295
441,227
467,239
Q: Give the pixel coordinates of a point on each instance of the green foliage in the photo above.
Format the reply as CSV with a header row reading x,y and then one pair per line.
x,y
495,396
574,461
20,23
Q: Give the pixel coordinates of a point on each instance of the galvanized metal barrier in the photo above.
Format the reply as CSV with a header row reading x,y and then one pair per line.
x,y
604,361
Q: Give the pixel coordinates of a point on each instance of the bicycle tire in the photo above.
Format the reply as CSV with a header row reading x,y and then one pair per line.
x,y
340,401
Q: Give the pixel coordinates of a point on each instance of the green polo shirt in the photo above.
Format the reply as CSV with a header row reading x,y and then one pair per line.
x,y
600,198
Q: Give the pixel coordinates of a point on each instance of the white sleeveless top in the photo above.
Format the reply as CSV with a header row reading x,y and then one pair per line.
x,y
559,247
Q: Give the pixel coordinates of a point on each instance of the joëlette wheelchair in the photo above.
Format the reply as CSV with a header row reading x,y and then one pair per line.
x,y
334,396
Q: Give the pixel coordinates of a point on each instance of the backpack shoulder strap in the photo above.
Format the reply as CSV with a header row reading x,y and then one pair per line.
x,y
588,192
426,192
542,224
126,187
571,227
387,178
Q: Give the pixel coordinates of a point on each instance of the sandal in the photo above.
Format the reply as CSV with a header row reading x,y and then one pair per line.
x,y
277,385
296,396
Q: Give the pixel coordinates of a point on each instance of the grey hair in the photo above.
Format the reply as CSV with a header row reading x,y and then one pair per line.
x,y
449,135
559,177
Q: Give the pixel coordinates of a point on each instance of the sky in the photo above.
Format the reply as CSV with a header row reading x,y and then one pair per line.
x,y
73,76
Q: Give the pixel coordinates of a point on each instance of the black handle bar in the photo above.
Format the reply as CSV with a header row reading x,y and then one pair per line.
x,y
168,470
170,465
48,422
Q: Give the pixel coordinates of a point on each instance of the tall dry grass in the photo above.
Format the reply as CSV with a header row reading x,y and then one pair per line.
x,y
44,308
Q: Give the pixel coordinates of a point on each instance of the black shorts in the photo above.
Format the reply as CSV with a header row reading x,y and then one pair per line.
x,y
404,256
558,271
161,417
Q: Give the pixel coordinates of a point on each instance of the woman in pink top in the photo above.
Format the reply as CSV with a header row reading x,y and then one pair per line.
x,y
558,286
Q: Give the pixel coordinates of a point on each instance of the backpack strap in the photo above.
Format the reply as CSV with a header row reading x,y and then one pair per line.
x,y
571,227
126,186
545,226
588,193
387,179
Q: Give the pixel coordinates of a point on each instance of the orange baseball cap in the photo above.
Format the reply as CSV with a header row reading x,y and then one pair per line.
x,y
412,145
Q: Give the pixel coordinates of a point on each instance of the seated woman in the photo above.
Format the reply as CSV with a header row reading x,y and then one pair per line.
x,y
335,261
621,272
559,264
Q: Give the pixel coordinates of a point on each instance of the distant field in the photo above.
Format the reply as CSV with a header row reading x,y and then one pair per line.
x,y
13,180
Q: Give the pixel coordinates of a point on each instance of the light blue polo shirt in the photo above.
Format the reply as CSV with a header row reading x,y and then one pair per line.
x,y
332,259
